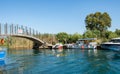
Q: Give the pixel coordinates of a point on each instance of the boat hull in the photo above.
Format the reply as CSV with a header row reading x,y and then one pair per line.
x,y
57,46
115,47
83,47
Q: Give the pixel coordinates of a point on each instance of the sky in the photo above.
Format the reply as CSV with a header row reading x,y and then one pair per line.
x,y
54,16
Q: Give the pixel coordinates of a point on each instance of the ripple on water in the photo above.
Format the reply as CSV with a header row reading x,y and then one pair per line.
x,y
69,61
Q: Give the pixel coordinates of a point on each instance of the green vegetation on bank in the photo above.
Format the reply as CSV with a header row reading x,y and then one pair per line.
x,y
15,42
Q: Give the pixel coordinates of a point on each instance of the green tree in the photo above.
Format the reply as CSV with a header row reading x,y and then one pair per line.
x,y
89,34
75,37
117,31
113,35
70,40
107,34
62,37
98,21
110,34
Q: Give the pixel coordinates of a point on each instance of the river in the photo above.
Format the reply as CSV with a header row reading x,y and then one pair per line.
x,y
67,61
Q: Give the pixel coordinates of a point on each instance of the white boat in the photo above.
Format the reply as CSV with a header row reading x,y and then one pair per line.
x,y
57,46
113,44
85,43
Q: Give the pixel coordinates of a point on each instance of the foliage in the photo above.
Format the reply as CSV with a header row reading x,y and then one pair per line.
x,y
98,21
113,35
75,37
62,37
49,38
110,34
70,40
117,32
90,34
107,34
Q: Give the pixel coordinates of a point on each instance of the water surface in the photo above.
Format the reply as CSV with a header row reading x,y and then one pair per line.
x,y
67,61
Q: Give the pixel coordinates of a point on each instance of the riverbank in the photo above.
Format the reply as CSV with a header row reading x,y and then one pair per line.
x,y
16,43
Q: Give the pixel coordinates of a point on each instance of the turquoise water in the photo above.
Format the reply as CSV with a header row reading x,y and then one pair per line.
x,y
67,61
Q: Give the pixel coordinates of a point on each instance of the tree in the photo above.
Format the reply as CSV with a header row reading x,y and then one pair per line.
x,y
89,34
117,31
98,21
62,37
75,37
70,40
107,34
113,35
110,34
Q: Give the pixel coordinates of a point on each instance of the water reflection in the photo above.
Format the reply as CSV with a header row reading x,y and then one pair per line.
x,y
36,52
84,61
2,62
20,51
14,61
59,52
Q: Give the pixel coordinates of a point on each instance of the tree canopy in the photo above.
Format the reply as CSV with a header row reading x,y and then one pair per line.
x,y
98,21
91,34
117,32
75,37
110,34
62,37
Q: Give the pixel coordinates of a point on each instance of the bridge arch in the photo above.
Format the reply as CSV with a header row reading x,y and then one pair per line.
x,y
36,42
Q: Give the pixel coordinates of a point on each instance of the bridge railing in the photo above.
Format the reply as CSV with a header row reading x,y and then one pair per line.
x,y
9,29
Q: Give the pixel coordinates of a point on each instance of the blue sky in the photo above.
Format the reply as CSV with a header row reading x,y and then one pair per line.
x,y
53,16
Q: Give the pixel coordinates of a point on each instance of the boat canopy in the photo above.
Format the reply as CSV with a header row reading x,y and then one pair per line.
x,y
87,39
115,38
